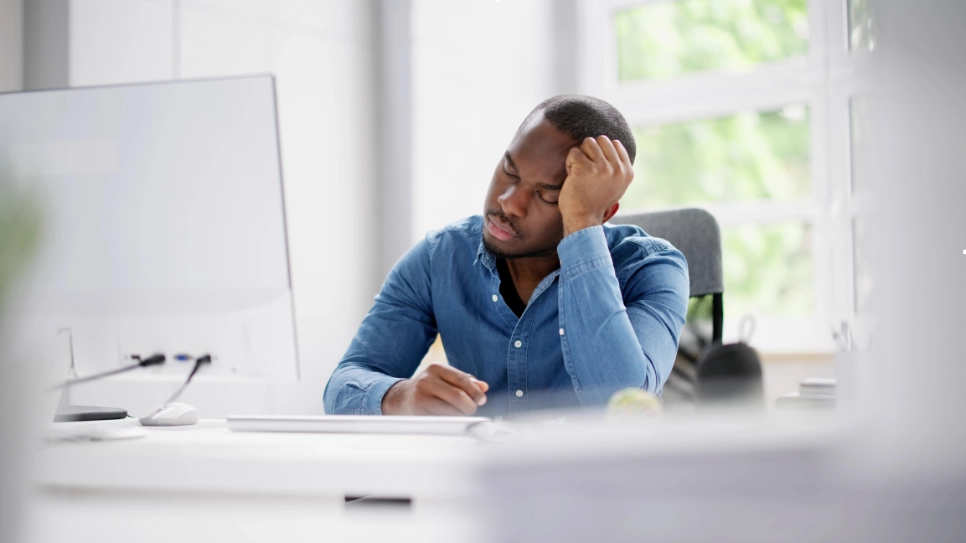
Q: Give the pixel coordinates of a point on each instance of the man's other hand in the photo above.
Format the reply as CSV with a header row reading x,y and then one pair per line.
x,y
598,173
439,390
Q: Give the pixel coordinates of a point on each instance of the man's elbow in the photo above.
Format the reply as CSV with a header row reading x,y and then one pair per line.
x,y
335,397
328,398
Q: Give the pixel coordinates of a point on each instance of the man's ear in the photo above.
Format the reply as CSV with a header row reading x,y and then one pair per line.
x,y
611,211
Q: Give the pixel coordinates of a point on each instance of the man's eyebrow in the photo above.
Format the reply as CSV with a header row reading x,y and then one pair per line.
x,y
547,186
509,160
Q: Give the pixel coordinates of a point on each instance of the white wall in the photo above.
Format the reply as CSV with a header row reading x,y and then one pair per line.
x,y
117,41
479,67
11,45
321,54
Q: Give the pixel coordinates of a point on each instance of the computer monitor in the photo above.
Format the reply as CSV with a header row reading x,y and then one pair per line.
x,y
163,226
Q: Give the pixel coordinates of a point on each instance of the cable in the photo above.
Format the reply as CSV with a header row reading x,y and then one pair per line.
x,y
206,359
150,361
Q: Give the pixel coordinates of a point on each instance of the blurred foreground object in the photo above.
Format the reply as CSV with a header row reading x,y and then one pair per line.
x,y
19,231
633,401
915,369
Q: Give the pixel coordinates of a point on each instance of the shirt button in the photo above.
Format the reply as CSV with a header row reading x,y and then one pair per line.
x,y
561,331
518,344
495,298
519,394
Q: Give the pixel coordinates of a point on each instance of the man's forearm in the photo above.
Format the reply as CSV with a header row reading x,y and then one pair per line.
x,y
606,345
600,348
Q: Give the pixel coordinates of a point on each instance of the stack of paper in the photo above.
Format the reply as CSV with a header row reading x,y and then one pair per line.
x,y
813,393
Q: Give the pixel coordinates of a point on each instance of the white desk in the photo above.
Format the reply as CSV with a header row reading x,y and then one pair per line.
x,y
206,483
209,458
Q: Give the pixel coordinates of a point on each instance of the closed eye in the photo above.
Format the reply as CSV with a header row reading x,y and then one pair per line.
x,y
546,201
508,174
548,193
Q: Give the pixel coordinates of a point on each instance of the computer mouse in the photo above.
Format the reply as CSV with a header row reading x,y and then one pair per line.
x,y
171,414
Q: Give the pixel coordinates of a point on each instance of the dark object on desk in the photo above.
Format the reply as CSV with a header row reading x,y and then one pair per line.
x,y
75,413
370,502
695,233
730,374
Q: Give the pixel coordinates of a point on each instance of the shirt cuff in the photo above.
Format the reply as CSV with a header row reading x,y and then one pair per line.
x,y
376,392
583,250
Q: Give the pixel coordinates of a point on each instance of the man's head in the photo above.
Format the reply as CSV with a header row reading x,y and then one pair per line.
x,y
520,212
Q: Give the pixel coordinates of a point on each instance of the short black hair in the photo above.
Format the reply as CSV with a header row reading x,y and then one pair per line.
x,y
581,117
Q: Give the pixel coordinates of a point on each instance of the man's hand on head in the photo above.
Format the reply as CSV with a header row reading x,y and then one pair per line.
x,y
598,173
439,390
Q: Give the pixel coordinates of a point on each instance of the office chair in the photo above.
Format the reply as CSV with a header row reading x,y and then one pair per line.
x,y
695,233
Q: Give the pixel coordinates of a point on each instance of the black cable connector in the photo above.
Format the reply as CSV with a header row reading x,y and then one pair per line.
x,y
201,360
151,360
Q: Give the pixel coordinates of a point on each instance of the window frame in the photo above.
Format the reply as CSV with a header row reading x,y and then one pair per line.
x,y
824,80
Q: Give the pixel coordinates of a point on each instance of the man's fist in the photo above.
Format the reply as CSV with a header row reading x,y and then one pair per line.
x,y
439,390
598,173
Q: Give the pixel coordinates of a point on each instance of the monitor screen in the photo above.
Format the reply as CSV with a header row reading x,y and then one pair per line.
x,y
163,221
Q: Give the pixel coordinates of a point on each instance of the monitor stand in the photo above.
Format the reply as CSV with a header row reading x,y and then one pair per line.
x,y
72,413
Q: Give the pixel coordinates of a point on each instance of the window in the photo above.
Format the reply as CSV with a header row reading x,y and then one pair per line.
x,y
666,39
752,155
751,110
862,32
861,144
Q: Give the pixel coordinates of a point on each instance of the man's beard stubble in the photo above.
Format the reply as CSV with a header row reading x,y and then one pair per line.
x,y
535,253
542,252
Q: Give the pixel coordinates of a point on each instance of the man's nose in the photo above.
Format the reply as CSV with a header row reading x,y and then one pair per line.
x,y
514,201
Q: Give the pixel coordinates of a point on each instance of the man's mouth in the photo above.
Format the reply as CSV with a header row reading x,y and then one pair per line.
x,y
499,229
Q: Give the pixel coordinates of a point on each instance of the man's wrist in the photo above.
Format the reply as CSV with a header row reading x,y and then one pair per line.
x,y
392,399
575,224
582,250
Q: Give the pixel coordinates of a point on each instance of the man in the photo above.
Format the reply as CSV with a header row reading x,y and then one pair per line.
x,y
537,303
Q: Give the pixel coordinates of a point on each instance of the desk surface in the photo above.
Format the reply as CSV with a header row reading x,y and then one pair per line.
x,y
210,458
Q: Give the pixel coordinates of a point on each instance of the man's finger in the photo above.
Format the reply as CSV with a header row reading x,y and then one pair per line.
x,y
435,406
610,152
574,156
625,158
482,385
463,381
452,395
592,149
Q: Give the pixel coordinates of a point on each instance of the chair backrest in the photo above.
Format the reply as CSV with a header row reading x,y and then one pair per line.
x,y
696,234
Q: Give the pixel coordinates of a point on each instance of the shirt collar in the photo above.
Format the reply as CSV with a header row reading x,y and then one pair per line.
x,y
484,256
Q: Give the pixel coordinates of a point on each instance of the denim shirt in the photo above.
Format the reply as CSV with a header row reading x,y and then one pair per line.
x,y
608,319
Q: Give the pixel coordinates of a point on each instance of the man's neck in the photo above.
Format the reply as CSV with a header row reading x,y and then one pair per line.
x,y
528,272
